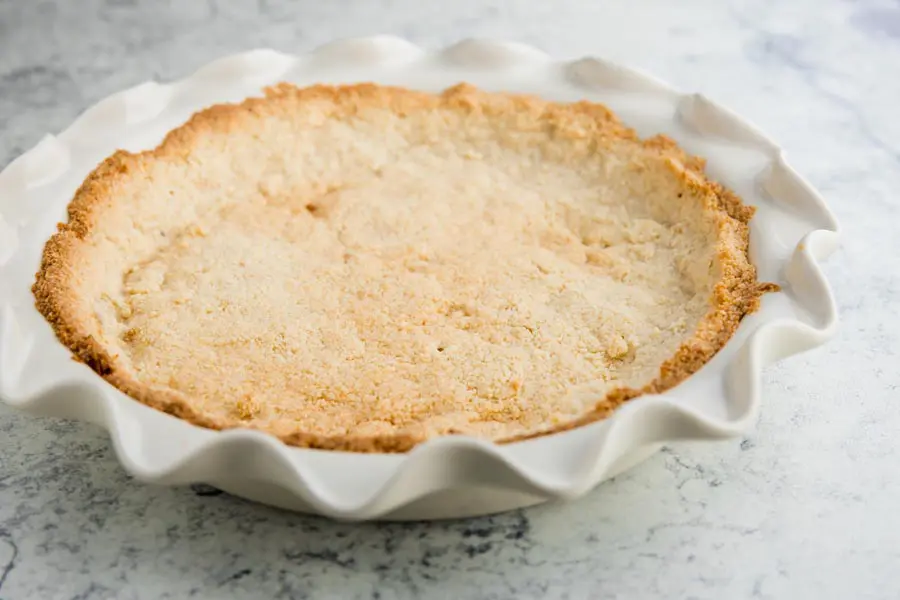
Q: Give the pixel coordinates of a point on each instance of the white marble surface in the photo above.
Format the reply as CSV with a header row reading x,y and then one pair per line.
x,y
805,507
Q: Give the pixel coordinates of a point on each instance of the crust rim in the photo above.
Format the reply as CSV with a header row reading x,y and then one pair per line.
x,y
736,294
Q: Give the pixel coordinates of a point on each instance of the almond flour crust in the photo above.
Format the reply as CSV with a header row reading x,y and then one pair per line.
x,y
67,271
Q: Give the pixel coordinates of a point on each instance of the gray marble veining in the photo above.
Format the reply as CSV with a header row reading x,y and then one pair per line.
x,y
804,507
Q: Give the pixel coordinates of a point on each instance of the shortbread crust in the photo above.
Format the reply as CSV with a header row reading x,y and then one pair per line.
x,y
364,267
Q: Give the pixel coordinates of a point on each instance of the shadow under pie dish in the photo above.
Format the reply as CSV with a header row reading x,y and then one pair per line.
x,y
366,267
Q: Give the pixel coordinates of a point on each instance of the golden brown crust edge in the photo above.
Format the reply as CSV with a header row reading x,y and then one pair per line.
x,y
736,294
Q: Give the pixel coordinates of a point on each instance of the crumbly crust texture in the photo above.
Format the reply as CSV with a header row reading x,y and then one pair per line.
x,y
364,267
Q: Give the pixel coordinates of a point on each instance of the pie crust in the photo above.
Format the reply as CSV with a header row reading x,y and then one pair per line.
x,y
365,267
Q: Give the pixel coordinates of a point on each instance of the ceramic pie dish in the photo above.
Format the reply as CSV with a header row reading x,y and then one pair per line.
x,y
490,461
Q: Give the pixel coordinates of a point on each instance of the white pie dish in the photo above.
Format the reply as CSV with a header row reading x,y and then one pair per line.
x,y
452,476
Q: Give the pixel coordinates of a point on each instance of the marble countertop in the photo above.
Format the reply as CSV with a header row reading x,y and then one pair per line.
x,y
804,507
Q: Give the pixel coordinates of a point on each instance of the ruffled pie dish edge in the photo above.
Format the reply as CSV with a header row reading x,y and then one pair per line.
x,y
451,476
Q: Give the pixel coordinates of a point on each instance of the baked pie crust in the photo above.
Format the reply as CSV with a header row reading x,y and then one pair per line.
x,y
365,267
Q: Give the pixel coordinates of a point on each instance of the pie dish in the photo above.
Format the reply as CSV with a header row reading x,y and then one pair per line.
x,y
448,476
367,267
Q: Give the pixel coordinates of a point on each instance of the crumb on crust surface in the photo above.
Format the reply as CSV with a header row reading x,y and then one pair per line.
x,y
114,341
